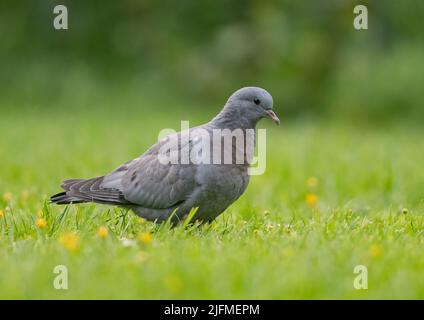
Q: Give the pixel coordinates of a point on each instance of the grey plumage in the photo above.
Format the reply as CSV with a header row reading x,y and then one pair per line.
x,y
154,189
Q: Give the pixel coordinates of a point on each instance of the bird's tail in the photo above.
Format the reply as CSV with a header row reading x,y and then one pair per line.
x,y
64,198
88,190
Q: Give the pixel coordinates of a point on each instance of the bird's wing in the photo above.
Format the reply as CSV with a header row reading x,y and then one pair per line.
x,y
150,182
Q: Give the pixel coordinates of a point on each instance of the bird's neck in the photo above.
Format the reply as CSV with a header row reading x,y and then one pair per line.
x,y
232,118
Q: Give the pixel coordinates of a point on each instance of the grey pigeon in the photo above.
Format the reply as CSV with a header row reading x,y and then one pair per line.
x,y
155,189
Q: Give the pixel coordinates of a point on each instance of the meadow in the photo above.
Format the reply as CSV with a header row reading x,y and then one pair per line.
x,y
334,196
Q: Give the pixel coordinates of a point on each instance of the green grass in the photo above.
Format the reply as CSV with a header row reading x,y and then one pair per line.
x,y
270,244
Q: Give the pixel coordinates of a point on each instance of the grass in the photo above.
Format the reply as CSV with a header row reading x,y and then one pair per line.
x,y
288,236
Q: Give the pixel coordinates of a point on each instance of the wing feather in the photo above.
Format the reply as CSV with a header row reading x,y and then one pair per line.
x,y
149,183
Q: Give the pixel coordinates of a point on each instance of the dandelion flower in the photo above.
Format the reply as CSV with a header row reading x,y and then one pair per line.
x,y
102,232
142,256
375,250
41,223
7,196
173,283
70,241
311,199
312,182
25,194
145,237
1,213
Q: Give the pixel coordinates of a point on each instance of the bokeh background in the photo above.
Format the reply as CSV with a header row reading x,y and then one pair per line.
x,y
195,53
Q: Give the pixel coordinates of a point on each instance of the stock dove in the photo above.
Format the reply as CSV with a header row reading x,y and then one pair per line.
x,y
161,181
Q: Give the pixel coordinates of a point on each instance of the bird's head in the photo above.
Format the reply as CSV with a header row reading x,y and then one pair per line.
x,y
253,103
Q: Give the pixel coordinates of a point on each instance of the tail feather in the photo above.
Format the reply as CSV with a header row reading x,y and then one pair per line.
x,y
63,198
88,190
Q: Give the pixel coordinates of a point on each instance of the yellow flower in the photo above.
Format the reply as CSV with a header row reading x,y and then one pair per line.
x,y
25,194
41,223
145,237
173,283
375,250
102,232
7,196
70,241
1,213
311,199
142,256
312,182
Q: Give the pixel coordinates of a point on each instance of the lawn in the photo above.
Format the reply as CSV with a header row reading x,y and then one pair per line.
x,y
333,196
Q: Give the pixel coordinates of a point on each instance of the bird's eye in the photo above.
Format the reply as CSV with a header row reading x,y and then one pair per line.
x,y
257,101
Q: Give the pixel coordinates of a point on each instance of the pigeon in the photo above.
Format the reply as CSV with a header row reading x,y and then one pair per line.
x,y
162,185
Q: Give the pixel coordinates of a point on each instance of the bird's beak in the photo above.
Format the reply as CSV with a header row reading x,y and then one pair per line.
x,y
273,117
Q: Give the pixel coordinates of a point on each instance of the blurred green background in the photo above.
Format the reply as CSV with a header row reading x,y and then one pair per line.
x,y
140,54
